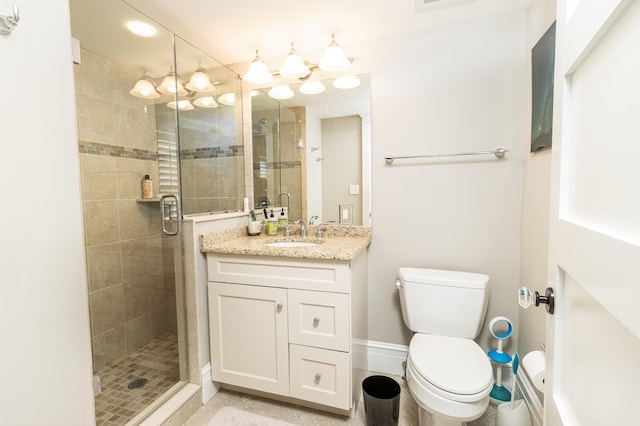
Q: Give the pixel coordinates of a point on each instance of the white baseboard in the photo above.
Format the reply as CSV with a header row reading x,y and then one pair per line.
x,y
209,388
382,357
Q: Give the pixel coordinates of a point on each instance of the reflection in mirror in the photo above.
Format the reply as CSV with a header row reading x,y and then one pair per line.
x,y
311,153
210,133
277,160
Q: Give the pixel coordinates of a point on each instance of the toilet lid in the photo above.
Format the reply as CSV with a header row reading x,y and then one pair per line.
x,y
452,364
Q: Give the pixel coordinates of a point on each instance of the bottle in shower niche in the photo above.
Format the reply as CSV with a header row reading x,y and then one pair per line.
x,y
147,187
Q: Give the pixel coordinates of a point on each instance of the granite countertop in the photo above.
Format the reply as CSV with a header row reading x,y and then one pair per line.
x,y
340,242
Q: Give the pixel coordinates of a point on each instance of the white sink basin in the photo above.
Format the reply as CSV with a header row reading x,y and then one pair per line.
x,y
291,244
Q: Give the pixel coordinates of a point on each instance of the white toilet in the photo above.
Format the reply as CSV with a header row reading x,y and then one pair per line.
x,y
448,374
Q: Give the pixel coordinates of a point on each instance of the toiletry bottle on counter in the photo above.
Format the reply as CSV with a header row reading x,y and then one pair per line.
x,y
253,228
282,219
147,187
272,225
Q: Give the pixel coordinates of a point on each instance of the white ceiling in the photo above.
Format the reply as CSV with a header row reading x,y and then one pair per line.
x,y
231,30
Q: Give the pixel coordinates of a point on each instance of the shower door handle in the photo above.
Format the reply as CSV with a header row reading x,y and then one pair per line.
x,y
166,218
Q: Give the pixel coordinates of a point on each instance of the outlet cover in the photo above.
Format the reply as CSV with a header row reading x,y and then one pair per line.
x,y
354,189
346,214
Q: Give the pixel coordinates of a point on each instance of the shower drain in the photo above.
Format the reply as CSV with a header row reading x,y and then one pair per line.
x,y
137,383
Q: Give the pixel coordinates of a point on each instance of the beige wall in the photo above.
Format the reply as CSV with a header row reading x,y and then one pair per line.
x,y
130,265
44,322
535,201
452,89
341,151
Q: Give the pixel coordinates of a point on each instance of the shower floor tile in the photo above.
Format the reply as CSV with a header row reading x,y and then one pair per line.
x,y
157,362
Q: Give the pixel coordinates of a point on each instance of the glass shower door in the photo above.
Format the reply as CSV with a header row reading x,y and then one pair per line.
x,y
134,270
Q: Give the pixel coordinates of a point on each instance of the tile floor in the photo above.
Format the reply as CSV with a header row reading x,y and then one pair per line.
x,y
282,412
157,362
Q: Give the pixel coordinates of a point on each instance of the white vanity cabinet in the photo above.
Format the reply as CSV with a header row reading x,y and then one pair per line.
x,y
285,326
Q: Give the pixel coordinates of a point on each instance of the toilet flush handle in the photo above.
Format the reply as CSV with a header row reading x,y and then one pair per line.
x,y
398,284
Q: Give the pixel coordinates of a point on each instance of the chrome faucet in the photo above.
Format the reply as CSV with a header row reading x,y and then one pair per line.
x,y
312,218
303,228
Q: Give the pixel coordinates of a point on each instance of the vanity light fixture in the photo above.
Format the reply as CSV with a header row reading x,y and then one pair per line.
x,y
294,66
258,72
141,28
282,91
168,85
200,81
145,88
205,102
334,58
312,87
183,105
346,82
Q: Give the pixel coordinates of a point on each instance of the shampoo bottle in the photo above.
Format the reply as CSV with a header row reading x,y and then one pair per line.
x,y
147,187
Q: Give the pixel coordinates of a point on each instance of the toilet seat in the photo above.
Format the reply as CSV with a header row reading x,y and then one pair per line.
x,y
453,368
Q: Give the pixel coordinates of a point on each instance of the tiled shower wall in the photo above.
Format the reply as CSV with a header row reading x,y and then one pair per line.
x,y
130,265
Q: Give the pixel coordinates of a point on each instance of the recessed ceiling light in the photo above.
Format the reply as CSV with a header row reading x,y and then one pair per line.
x,y
141,28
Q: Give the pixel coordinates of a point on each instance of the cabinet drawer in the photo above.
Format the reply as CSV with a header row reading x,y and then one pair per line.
x,y
321,376
319,319
308,274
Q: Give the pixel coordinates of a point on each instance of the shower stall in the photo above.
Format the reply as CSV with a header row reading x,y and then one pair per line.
x,y
189,142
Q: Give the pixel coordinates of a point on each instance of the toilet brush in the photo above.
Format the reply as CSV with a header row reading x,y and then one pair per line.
x,y
516,362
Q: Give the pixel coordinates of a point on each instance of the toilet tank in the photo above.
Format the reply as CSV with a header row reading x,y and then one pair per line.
x,y
446,303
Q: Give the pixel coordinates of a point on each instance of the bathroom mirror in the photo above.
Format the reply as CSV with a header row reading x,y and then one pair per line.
x,y
311,153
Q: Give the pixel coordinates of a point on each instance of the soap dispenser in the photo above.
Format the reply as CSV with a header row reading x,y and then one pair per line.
x,y
282,219
272,225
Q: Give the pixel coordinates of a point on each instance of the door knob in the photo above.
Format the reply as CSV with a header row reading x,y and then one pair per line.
x,y
526,299
548,299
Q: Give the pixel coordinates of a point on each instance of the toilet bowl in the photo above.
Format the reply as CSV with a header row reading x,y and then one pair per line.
x,y
448,373
450,379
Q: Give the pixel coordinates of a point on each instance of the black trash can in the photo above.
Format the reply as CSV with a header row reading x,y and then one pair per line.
x,y
381,397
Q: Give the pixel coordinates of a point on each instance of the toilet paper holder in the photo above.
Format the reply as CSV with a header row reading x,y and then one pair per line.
x,y
526,299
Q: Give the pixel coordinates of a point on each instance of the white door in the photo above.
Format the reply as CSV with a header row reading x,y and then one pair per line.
x,y
593,340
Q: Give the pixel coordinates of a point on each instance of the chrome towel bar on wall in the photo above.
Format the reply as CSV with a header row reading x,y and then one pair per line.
x,y
498,152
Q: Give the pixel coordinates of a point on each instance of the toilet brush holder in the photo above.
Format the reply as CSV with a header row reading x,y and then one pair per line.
x,y
501,358
513,413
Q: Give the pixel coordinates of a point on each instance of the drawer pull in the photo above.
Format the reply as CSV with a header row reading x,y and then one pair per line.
x,y
316,321
279,306
318,377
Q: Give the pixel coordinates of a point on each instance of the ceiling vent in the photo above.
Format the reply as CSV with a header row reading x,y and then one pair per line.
x,y
426,5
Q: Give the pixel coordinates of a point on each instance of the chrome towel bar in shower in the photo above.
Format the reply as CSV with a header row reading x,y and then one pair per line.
x,y
498,152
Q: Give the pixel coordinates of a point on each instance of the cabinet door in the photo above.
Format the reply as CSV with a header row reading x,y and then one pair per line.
x,y
249,344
